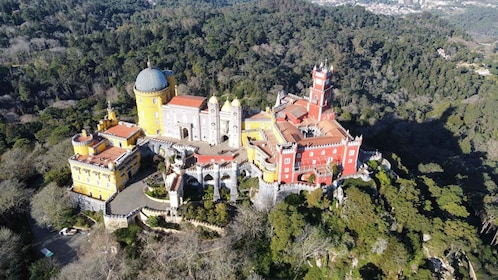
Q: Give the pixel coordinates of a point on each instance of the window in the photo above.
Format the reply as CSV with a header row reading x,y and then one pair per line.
x,y
298,155
154,100
156,114
286,176
323,152
350,160
314,162
334,151
287,160
311,154
286,170
351,153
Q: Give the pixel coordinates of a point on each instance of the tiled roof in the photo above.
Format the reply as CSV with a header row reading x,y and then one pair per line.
x,y
289,131
122,130
110,154
188,100
302,102
333,128
316,141
258,116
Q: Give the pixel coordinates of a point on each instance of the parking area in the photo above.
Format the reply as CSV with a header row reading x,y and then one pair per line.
x,y
65,248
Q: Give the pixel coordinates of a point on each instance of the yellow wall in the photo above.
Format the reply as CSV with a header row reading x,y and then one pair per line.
x,y
257,124
280,138
269,176
81,150
149,110
256,134
101,182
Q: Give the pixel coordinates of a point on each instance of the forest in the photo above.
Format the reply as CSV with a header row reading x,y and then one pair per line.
x,y
434,215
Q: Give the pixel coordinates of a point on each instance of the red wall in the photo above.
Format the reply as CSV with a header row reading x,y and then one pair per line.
x,y
213,158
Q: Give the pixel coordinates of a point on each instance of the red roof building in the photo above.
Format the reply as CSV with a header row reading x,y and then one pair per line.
x,y
301,140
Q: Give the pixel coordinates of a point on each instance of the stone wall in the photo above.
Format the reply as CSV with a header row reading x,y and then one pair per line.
x,y
86,203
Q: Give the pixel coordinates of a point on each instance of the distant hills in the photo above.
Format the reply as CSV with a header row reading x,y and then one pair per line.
x,y
478,18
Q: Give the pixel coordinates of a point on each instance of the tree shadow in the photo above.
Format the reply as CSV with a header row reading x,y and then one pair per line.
x,y
371,271
432,142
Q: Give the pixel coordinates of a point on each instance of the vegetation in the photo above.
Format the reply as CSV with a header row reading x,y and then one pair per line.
x,y
431,116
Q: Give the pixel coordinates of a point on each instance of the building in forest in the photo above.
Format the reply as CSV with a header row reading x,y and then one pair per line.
x,y
299,140
104,161
296,141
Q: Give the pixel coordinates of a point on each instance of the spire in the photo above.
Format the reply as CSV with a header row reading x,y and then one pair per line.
x,y
148,62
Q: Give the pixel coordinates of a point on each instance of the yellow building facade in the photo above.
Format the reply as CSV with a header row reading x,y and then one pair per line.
x,y
153,88
103,162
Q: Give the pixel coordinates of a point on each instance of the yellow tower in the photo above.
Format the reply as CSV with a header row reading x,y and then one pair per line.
x,y
82,142
153,88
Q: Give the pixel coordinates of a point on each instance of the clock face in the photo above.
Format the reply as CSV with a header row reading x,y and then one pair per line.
x,y
212,110
235,114
213,124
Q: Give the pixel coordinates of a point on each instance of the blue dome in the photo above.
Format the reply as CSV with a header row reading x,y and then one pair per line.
x,y
151,79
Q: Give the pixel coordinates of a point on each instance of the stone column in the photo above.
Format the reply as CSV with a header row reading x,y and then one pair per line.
x,y
216,179
233,187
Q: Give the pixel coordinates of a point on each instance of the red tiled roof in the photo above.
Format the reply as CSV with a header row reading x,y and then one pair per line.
x,y
83,138
122,130
188,100
289,131
333,128
296,111
258,116
108,155
316,141
302,102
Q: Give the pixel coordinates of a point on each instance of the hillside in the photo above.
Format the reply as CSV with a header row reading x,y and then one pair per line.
x,y
431,115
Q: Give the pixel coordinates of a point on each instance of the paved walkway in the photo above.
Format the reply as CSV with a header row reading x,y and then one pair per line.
x,y
133,197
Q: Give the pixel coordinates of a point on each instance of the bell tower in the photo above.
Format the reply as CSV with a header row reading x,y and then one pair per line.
x,y
320,92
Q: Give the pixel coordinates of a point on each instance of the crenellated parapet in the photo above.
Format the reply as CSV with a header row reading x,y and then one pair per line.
x,y
323,146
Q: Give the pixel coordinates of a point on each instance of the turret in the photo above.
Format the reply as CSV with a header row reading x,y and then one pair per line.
x,y
153,88
214,121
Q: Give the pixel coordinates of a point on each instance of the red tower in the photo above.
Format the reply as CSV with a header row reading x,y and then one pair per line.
x,y
320,93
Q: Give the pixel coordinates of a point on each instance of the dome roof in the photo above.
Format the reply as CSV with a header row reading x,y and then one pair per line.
x,y
151,79
226,107
213,100
236,103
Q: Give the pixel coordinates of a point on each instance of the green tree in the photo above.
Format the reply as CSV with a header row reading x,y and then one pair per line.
x,y
287,224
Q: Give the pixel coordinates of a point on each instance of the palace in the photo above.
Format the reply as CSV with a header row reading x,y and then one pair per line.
x,y
299,140
105,161
296,141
